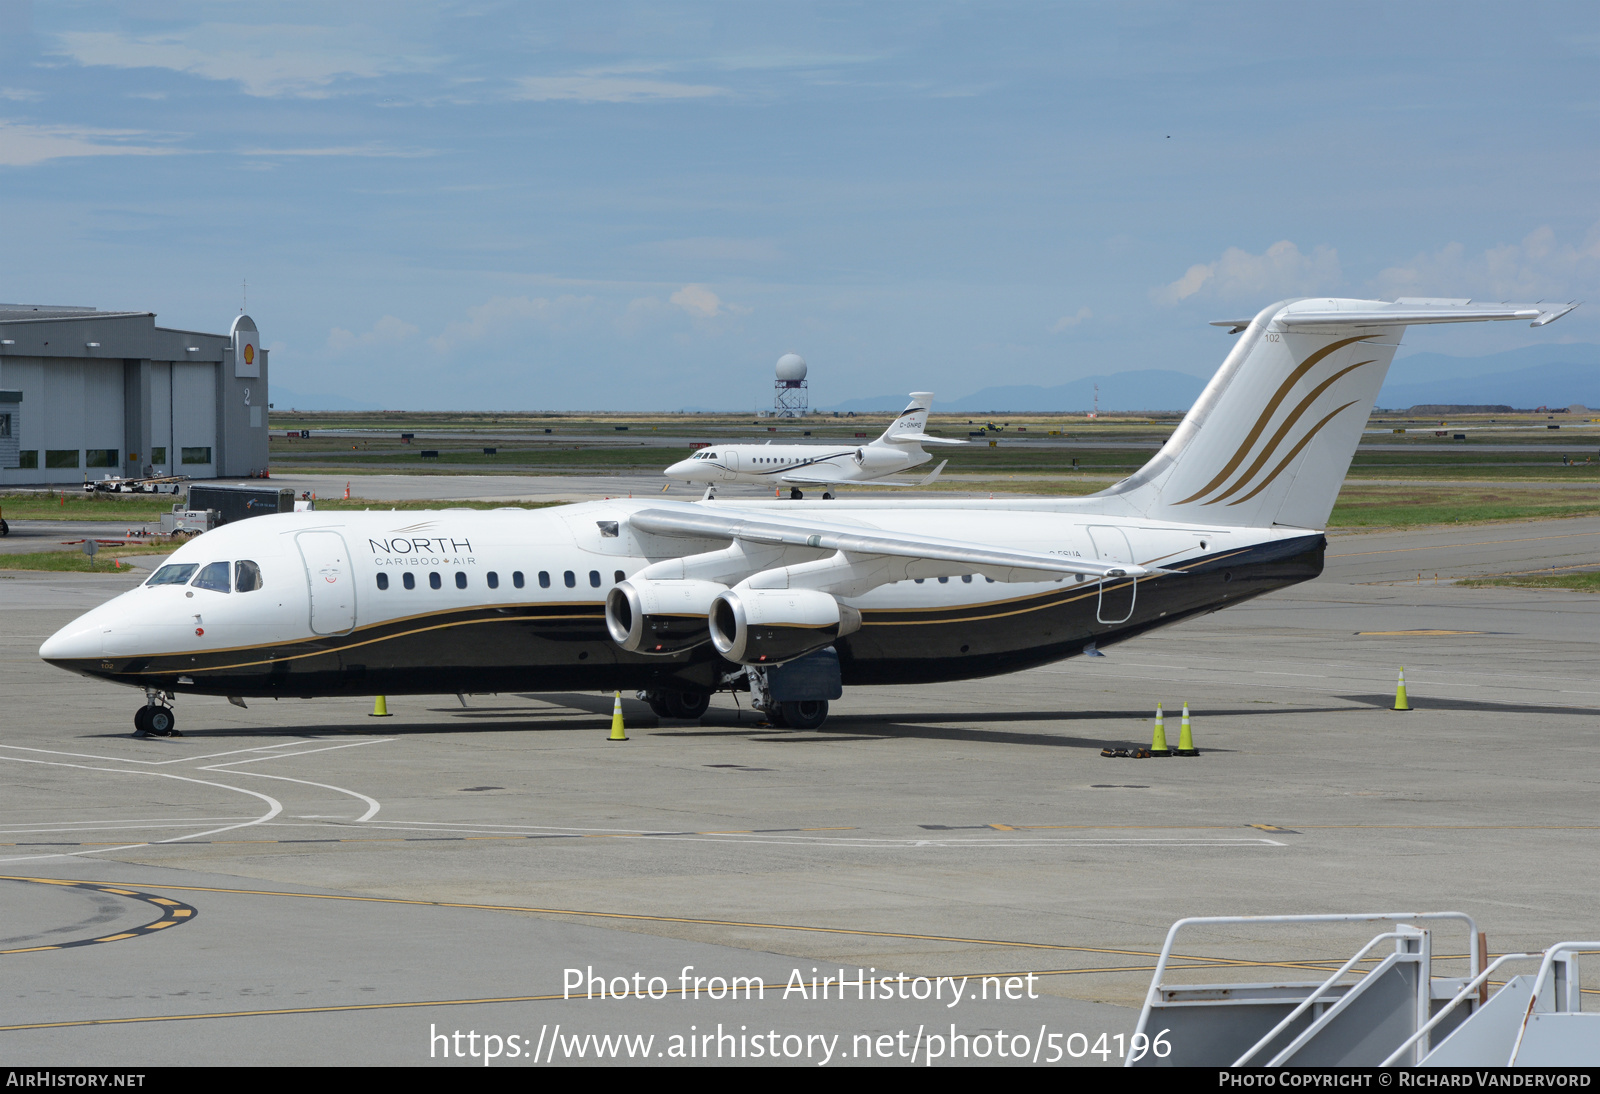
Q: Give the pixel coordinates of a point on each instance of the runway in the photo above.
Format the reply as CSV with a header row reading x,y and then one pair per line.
x,y
355,886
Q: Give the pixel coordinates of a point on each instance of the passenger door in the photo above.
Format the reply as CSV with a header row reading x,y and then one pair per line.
x,y
332,584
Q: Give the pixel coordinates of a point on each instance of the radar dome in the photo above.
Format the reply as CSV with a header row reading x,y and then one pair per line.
x,y
791,366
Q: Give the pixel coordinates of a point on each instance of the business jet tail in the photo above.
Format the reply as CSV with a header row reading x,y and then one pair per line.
x,y
1270,438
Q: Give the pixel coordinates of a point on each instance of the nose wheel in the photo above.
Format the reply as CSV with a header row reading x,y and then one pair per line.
x,y
155,719
795,494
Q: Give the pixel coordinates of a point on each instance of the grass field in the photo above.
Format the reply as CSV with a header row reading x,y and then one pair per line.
x,y
1587,582
73,560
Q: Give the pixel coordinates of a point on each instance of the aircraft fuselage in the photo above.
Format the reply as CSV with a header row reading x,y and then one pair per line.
x,y
447,601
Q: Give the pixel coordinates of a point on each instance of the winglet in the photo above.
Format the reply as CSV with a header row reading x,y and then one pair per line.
x,y
1553,314
933,474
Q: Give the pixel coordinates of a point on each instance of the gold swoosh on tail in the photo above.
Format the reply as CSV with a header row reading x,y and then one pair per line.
x,y
1266,415
1293,452
1283,431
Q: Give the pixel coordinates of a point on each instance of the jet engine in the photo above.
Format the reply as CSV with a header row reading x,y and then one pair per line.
x,y
660,617
771,626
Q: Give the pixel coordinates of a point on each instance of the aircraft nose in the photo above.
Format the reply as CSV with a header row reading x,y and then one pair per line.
x,y
73,642
679,470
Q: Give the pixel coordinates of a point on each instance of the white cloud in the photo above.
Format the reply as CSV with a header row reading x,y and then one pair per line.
x,y
702,303
1068,321
377,150
503,314
1541,266
27,145
20,94
1238,275
267,61
606,87
387,331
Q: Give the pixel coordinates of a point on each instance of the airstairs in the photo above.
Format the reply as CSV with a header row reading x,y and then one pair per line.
x,y
1384,1007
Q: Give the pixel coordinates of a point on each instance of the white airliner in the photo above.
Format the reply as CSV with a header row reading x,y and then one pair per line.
x,y
797,465
790,600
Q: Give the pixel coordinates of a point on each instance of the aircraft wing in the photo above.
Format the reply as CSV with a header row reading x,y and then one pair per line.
x,y
802,531
812,476
818,480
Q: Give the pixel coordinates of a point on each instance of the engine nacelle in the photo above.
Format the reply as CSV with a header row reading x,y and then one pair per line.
x,y
771,626
660,617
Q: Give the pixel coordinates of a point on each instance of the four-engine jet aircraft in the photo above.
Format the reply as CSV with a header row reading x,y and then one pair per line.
x,y
791,600
798,465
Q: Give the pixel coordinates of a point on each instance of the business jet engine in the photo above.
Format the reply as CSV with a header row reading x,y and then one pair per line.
x,y
771,626
660,617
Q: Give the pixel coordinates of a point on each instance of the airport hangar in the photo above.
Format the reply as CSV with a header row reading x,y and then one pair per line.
x,y
87,394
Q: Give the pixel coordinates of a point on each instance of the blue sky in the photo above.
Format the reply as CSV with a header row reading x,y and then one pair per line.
x,y
641,205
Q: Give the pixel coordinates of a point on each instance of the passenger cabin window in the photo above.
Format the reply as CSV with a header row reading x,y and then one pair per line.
x,y
173,574
594,579
967,578
461,580
516,578
247,577
383,581
409,580
433,580
213,576
544,579
617,578
571,579
493,579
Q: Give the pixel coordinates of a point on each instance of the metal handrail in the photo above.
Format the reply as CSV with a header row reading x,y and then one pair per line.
x,y
1475,957
1313,997
1538,985
1471,987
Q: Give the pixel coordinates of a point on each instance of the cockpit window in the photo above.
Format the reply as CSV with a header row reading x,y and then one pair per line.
x,y
246,576
173,574
213,576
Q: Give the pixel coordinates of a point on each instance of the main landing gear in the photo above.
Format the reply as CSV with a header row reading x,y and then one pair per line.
x,y
155,718
799,714
690,704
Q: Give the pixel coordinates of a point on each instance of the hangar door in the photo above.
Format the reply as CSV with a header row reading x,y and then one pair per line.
x,y
1117,594
333,589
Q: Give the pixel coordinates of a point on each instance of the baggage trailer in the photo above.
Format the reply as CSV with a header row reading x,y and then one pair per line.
x,y
231,503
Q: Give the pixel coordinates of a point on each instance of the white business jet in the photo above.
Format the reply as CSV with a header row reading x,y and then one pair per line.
x,y
788,600
798,465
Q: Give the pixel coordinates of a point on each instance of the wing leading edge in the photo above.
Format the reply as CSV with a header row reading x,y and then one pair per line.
x,y
1002,565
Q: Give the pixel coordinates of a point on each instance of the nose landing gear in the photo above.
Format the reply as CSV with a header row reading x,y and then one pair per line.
x,y
155,718
795,494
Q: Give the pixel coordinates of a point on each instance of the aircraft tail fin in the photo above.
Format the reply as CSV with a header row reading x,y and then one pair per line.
x,y
1272,435
912,422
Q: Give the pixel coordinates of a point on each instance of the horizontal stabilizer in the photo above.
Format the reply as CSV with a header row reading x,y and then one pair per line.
x,y
918,438
1404,312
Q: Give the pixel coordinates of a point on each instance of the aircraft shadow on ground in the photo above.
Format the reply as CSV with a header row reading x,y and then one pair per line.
x,y
1387,702
587,718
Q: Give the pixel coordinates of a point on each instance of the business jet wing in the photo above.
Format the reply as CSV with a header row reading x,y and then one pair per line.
x,y
803,479
802,531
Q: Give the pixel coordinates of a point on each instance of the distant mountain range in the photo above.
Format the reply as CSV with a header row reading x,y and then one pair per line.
x,y
1552,375
283,398
1547,375
1144,389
